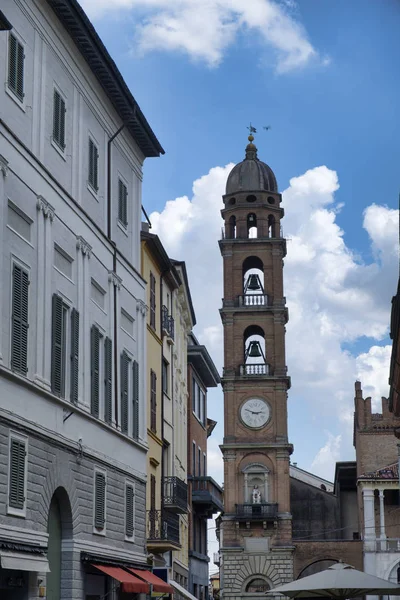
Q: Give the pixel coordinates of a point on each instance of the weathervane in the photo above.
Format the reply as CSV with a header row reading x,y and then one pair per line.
x,y
254,130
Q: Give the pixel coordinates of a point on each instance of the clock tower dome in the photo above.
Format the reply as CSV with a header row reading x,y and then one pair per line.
x,y
255,534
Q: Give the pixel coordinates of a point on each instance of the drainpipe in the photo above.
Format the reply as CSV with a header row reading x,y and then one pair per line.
x,y
110,141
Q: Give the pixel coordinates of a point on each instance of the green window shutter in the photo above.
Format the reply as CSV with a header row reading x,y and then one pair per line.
x,y
16,66
74,391
135,400
93,165
153,401
152,301
107,380
16,498
99,500
19,320
124,391
57,350
59,120
129,510
122,202
94,367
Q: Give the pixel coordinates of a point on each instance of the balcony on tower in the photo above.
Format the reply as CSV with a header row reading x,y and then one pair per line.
x,y
162,531
207,495
175,494
265,511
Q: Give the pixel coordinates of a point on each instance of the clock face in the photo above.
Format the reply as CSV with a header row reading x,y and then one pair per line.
x,y
255,413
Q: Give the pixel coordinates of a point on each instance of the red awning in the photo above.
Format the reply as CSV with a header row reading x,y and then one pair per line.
x,y
130,584
158,584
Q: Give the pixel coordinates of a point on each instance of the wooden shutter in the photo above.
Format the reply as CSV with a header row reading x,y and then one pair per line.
x,y
153,401
152,301
124,391
129,510
99,500
135,400
122,202
16,497
16,66
107,380
59,120
93,165
94,370
19,320
74,391
57,351
152,492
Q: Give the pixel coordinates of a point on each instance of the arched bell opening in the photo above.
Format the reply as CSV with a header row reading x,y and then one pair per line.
x,y
230,228
254,352
253,282
272,227
252,225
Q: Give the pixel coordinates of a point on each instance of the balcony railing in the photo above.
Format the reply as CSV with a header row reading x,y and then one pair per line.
x,y
175,496
382,545
216,558
162,528
255,369
207,493
253,300
257,512
168,323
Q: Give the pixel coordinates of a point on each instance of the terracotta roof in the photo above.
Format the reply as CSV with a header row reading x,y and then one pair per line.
x,y
388,472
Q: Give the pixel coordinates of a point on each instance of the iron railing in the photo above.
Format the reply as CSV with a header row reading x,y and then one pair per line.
x,y
162,526
175,494
254,512
168,323
205,490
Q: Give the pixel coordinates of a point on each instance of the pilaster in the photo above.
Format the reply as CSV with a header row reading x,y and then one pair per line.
x,y
3,205
83,253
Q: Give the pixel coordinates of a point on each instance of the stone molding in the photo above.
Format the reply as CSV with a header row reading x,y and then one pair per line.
x,y
114,279
46,208
3,165
83,246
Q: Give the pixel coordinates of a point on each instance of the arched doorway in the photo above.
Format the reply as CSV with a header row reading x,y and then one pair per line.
x,y
59,528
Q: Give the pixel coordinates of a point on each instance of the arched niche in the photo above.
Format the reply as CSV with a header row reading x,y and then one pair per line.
x,y
254,350
252,225
230,228
253,282
258,585
59,528
272,227
255,474
317,566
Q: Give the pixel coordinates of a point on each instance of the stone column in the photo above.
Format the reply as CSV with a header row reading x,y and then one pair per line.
x,y
114,282
382,533
369,520
141,359
265,487
246,488
3,175
84,251
45,220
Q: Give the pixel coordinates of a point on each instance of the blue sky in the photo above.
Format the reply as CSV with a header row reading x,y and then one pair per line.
x,y
324,75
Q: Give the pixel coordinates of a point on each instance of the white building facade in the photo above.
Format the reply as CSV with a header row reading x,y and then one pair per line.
x,y
72,309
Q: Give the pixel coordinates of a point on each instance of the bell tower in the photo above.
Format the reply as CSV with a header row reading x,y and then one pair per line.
x,y
255,534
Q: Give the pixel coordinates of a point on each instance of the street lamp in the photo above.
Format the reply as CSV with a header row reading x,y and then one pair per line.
x,y
5,24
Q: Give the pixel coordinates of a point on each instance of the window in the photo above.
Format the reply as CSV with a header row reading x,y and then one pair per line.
x,y
257,586
152,301
99,500
93,174
19,320
204,464
100,360
97,294
16,66
129,510
153,401
62,262
194,459
199,402
59,111
17,474
19,221
122,203
152,493
199,461
127,322
59,364
165,377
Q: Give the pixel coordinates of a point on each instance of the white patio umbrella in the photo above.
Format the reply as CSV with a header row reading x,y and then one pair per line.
x,y
338,581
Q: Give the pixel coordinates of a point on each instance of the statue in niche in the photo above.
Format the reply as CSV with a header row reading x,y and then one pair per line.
x,y
256,495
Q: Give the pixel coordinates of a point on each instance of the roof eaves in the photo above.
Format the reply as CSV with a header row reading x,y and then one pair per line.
x,y
81,30
182,265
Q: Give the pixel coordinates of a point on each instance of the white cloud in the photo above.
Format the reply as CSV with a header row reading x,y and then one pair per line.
x,y
335,299
326,457
205,30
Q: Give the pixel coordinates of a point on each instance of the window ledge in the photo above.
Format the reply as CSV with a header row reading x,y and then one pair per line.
x,y
16,512
19,235
57,148
13,96
130,540
123,228
93,191
101,532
